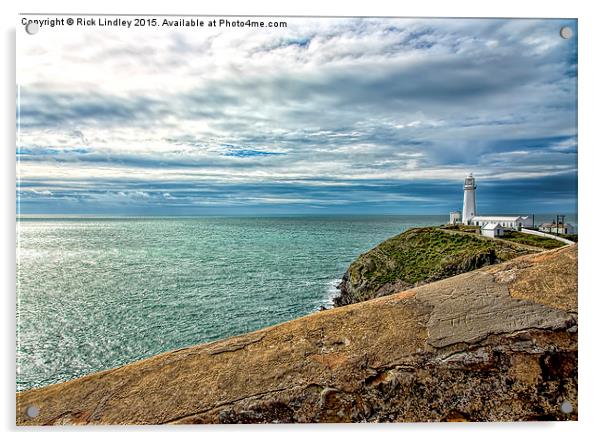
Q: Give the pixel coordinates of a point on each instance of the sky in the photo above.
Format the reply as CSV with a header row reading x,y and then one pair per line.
x,y
325,116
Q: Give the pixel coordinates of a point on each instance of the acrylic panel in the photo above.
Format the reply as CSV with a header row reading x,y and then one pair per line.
x,y
295,219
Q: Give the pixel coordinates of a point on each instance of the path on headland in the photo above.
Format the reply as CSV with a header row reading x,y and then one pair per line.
x,y
544,234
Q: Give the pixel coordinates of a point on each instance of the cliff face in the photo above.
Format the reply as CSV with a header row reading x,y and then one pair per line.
x,y
419,256
496,344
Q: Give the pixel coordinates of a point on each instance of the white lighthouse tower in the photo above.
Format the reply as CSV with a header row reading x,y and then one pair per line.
x,y
470,204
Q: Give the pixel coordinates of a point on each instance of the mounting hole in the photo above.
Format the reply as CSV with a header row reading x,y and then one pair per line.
x,y
566,32
32,411
566,407
32,28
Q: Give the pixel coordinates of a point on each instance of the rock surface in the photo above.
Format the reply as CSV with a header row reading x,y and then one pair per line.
x,y
495,344
419,256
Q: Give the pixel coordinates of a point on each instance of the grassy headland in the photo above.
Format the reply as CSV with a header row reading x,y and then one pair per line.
x,y
419,256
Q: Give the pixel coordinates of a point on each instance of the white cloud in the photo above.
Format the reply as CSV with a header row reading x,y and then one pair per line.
x,y
338,100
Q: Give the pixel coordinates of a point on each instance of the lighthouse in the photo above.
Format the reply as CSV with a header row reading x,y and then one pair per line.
x,y
470,204
470,217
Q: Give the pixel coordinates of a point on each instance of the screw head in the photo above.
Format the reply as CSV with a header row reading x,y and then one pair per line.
x,y
566,407
566,32
32,411
32,28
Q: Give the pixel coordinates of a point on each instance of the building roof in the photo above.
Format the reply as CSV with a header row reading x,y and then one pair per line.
x,y
554,225
491,226
501,218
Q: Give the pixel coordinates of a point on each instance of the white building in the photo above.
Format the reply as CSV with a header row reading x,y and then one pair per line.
x,y
560,228
506,221
455,217
492,230
470,217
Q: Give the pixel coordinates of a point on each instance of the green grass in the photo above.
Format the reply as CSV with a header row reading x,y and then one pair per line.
x,y
462,227
532,240
425,255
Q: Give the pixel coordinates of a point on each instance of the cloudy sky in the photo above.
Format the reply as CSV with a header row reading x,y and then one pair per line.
x,y
324,116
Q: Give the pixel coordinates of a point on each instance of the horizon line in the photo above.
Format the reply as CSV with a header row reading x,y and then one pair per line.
x,y
338,214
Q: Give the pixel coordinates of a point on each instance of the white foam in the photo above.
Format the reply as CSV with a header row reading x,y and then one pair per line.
x,y
332,291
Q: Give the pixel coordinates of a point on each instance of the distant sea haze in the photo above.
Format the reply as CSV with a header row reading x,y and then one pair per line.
x,y
96,293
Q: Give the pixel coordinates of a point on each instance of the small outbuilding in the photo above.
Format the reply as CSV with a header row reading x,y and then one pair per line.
x,y
492,230
560,228
455,217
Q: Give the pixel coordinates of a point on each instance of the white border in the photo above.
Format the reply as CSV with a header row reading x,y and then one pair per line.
x,y
590,39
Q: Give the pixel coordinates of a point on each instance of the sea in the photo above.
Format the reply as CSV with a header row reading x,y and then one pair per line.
x,y
97,293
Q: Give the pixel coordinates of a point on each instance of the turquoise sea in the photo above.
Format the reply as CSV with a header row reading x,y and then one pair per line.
x,y
99,293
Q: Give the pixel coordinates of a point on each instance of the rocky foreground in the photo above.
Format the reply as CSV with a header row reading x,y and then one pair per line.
x,y
495,344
